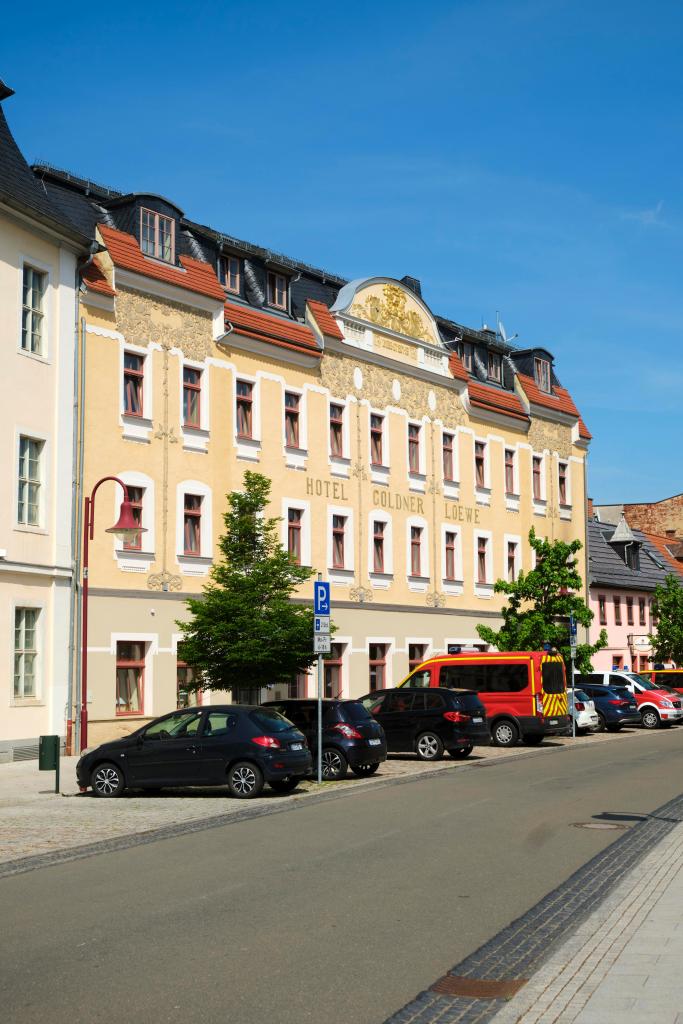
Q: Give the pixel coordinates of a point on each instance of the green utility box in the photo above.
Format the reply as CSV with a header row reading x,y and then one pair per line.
x,y
48,756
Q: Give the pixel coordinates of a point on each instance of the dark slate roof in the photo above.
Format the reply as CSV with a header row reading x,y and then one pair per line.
x,y
20,189
606,567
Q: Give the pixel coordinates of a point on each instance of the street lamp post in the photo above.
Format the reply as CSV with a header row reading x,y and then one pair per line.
x,y
124,528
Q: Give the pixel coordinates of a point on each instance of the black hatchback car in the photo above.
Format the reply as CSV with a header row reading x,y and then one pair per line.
x,y
351,737
236,745
429,721
615,705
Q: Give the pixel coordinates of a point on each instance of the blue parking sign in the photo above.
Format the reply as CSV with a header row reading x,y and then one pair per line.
x,y
321,598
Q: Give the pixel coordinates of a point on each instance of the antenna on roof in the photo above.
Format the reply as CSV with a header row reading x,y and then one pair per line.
x,y
501,332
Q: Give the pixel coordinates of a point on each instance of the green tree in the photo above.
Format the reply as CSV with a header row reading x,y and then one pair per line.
x,y
245,631
667,612
540,603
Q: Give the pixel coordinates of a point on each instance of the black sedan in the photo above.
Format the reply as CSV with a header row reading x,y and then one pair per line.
x,y
236,745
429,721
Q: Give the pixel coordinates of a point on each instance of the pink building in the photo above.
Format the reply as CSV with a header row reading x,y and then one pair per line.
x,y
624,568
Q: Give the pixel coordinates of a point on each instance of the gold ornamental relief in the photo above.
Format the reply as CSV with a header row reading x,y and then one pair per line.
x,y
553,436
391,312
142,319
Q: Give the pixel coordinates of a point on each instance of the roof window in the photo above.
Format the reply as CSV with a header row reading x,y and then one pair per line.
x,y
494,369
157,235
542,374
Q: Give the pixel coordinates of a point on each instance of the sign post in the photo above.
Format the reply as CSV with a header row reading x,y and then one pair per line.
x,y
321,645
572,652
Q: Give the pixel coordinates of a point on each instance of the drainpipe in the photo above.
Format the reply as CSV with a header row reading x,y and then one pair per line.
x,y
77,470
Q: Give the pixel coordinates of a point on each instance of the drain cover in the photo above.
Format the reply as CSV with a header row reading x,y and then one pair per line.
x,y
603,825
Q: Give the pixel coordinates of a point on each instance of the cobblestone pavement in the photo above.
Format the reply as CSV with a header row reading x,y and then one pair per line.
x,y
620,963
38,826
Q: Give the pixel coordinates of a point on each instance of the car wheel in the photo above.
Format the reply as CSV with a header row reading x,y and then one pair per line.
x,y
107,780
614,728
460,753
334,765
429,747
505,733
363,770
650,718
245,780
602,724
284,785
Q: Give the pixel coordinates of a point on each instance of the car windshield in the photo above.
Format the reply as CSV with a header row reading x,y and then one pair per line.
x,y
641,680
270,720
354,711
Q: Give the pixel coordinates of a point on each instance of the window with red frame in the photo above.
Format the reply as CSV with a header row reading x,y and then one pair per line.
x,y
378,529
495,367
186,698
291,419
378,666
415,550
277,290
617,611
244,404
629,611
542,374
135,496
133,379
130,677
333,665
157,235
337,431
230,273
451,540
413,447
192,391
509,471
536,476
338,536
512,561
602,610
192,534
447,451
294,519
416,655
480,463
562,482
482,548
641,611
376,433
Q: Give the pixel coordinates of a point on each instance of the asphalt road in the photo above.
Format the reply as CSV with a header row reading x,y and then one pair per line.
x,y
337,912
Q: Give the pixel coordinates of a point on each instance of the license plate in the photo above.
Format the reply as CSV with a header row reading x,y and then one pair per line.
x,y
477,720
553,721
297,746
374,743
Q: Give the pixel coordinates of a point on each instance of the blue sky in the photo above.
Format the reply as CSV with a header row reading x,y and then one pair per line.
x,y
515,156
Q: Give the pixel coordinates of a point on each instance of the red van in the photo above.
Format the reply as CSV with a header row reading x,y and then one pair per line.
x,y
524,692
666,677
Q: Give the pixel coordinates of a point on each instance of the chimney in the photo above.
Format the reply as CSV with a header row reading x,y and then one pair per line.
x,y
589,508
670,533
413,283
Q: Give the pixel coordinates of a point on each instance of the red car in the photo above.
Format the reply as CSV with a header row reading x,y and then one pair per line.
x,y
657,707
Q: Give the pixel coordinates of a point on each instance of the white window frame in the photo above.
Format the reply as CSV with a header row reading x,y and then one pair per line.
x,y
456,586
248,448
156,255
30,605
484,590
151,642
390,643
305,508
539,505
44,502
419,583
539,383
340,464
137,428
194,565
28,262
512,499
295,458
345,642
381,580
380,474
512,538
482,495
566,506
345,575
195,439
136,561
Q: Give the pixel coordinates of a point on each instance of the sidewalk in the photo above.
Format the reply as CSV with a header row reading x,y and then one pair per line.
x,y
623,963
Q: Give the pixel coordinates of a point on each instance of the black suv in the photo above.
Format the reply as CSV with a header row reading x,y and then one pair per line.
x,y
427,721
351,737
234,744
615,705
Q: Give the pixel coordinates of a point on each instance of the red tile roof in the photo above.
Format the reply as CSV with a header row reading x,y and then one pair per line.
x,y
324,319
193,275
560,400
275,329
583,430
95,279
661,544
495,400
456,367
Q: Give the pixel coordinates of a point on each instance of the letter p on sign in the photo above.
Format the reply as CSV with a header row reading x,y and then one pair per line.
x,y
321,598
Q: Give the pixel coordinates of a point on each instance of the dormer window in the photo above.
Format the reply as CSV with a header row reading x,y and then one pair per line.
x,y
277,290
157,235
230,273
494,369
542,374
633,556
464,350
